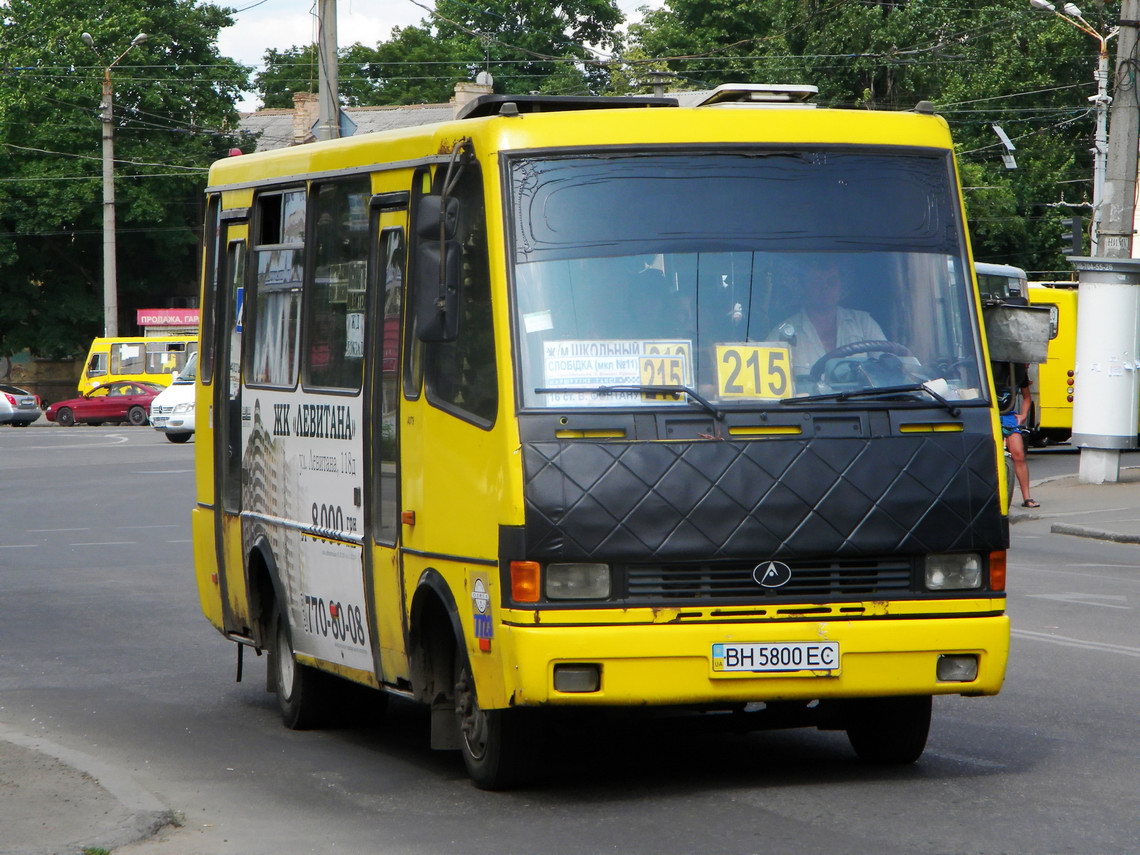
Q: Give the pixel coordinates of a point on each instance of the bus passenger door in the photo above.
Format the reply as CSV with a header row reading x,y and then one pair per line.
x,y
227,430
381,454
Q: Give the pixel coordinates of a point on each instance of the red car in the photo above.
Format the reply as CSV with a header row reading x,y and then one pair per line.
x,y
122,401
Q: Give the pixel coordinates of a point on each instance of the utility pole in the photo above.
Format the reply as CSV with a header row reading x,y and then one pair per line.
x,y
1108,342
328,126
110,257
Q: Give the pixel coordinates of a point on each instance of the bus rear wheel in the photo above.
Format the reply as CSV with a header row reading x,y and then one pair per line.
x,y
301,690
496,744
889,731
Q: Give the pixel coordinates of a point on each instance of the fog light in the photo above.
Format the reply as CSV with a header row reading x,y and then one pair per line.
x,y
577,678
954,668
953,571
577,581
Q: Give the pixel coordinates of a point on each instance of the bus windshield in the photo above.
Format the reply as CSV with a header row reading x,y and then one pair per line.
x,y
750,277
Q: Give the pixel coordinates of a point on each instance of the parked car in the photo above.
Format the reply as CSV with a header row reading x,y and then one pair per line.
x,y
18,407
172,412
121,401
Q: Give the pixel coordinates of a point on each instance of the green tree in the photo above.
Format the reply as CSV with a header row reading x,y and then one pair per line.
x,y
527,45
994,62
174,102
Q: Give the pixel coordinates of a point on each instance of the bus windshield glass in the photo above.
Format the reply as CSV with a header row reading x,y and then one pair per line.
x,y
750,277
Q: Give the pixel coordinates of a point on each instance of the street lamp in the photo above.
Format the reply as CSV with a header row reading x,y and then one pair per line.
x,y
1072,15
110,273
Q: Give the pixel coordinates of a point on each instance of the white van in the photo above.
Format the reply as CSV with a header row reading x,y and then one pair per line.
x,y
172,412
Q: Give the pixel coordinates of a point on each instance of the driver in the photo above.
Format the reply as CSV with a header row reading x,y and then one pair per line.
x,y
822,324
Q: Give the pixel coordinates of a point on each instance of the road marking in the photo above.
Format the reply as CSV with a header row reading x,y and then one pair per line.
x,y
962,758
1098,512
106,543
54,530
1065,641
18,545
1118,601
162,472
85,445
167,525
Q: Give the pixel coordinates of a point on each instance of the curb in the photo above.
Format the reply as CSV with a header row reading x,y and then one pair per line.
x,y
1093,533
147,814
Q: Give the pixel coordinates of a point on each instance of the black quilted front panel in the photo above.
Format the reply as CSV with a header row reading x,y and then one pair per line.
x,y
772,498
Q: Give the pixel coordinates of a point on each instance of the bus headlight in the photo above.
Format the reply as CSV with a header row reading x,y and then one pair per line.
x,y
953,572
577,581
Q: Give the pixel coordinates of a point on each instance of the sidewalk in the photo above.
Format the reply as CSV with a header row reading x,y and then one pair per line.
x,y
1100,511
55,801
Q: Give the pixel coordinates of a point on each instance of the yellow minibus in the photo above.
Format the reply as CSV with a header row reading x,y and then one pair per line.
x,y
1055,386
155,359
599,403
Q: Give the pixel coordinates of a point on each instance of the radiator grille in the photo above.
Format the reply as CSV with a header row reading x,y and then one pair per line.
x,y
815,580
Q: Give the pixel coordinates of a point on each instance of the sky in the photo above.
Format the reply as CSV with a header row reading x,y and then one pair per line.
x,y
263,24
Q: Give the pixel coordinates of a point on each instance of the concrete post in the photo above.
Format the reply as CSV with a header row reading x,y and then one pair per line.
x,y
328,128
110,257
1107,362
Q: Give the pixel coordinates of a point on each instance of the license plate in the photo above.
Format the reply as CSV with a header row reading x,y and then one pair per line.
x,y
815,657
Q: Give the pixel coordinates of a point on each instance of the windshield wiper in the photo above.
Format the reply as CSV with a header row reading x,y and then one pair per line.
x,y
880,392
636,387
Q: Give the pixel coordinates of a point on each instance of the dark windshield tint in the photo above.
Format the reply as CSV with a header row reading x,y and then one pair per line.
x,y
785,201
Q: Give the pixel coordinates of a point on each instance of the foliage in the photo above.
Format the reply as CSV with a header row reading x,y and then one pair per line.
x,y
994,62
528,46
173,101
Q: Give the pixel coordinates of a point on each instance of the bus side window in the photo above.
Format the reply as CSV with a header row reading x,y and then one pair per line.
x,y
98,365
461,374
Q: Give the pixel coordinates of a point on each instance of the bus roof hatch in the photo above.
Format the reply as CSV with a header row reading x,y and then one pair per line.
x,y
760,95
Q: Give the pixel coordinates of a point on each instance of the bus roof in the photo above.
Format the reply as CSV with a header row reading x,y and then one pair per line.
x,y
1007,270
548,123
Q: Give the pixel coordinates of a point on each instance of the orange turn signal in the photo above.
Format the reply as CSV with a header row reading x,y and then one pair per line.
x,y
408,517
526,581
997,570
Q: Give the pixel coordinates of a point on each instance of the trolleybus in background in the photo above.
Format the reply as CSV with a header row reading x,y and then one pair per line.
x,y
526,411
155,359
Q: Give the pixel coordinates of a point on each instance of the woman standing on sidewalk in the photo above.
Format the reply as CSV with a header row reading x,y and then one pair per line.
x,y
1012,423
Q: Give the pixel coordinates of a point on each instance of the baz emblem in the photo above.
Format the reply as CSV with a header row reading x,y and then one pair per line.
x,y
772,574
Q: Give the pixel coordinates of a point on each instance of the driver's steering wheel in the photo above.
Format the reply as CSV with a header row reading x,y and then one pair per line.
x,y
854,347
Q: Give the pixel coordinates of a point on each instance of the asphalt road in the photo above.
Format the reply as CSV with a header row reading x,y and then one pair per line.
x,y
103,650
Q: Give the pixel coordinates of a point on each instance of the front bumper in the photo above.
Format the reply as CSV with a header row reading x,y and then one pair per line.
x,y
672,664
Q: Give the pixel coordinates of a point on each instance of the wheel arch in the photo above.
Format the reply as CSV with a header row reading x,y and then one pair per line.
x,y
434,631
263,582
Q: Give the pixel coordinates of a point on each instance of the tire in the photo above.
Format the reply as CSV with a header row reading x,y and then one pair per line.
x,y
302,692
497,745
179,437
65,417
889,731
137,416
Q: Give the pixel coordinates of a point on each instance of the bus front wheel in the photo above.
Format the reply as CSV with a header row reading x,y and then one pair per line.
x,y
889,731
496,744
300,694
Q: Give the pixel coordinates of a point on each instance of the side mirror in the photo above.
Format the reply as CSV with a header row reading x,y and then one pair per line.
x,y
437,278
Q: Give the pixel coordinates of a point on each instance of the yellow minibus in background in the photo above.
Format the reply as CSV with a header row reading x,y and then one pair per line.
x,y
155,359
1055,384
527,411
